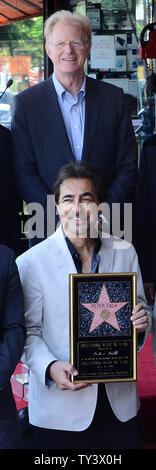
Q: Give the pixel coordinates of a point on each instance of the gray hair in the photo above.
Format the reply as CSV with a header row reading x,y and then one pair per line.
x,y
65,16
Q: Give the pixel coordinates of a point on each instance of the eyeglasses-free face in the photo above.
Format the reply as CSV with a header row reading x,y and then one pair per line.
x,y
67,49
77,207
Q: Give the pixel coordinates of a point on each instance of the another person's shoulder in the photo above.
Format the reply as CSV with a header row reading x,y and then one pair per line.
x,y
6,255
5,251
150,141
147,158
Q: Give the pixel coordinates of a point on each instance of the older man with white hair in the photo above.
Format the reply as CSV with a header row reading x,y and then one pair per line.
x,y
71,116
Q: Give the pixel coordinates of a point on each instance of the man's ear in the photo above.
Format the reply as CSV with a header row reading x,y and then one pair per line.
x,y
89,49
57,209
48,50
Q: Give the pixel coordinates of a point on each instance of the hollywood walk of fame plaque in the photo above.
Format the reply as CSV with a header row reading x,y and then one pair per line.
x,y
102,337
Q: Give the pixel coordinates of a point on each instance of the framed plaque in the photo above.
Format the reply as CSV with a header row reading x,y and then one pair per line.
x,y
102,337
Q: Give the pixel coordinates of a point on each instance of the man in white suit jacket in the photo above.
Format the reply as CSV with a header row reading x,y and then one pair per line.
x,y
66,414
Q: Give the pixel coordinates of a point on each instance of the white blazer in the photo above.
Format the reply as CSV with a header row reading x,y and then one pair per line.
x,y
44,272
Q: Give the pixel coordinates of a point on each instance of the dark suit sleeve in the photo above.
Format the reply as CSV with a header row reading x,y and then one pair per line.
x,y
5,161
12,334
145,238
123,186
30,185
5,185
10,205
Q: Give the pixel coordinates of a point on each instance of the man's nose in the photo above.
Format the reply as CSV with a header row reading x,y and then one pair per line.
x,y
77,205
68,46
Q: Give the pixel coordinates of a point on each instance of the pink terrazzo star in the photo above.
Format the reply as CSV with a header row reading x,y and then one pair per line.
x,y
104,310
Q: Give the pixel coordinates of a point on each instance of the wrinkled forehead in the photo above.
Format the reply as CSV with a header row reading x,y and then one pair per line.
x,y
66,30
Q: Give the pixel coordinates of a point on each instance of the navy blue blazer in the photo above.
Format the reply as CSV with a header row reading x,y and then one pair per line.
x,y
146,211
42,147
12,330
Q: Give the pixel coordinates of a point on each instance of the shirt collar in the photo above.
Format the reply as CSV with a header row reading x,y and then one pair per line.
x,y
76,256
72,248
60,90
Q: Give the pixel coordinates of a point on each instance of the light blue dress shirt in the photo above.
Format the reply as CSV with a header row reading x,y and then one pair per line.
x,y
73,111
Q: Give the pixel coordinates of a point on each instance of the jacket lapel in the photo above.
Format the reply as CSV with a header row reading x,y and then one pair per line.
x,y
65,263
56,137
92,110
57,142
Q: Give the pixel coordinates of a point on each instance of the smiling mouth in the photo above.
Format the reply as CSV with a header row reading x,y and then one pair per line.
x,y
77,220
70,59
